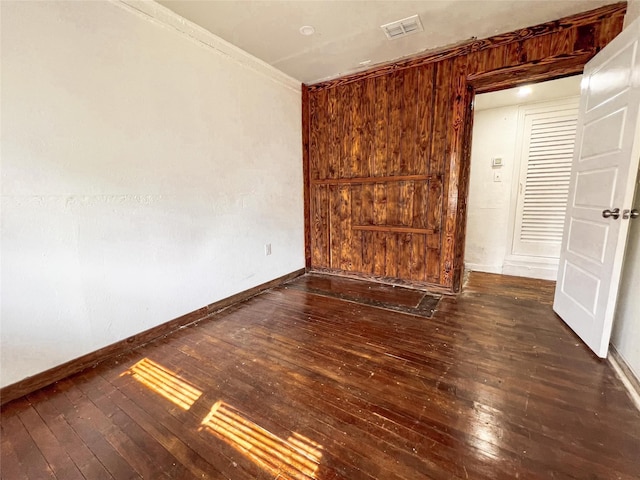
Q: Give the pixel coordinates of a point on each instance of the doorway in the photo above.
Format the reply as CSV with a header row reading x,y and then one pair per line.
x,y
521,151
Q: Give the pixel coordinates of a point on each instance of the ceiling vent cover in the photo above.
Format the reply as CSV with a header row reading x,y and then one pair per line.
x,y
402,28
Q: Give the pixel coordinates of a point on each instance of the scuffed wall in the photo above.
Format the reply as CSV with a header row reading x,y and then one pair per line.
x,y
143,172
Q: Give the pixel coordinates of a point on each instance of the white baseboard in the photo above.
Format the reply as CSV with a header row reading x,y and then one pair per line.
x,y
626,375
532,267
520,266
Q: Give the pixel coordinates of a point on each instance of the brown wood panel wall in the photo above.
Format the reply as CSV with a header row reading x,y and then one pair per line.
x,y
388,150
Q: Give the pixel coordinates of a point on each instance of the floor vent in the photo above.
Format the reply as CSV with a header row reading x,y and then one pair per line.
x,y
402,28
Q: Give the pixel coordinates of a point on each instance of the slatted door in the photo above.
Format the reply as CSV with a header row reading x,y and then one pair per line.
x,y
547,135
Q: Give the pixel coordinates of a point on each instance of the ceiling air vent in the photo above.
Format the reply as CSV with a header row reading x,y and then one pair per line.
x,y
402,28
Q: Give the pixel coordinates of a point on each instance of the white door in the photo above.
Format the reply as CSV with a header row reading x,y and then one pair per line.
x,y
603,176
546,154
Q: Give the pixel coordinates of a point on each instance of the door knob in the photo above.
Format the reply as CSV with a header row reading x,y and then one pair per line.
x,y
630,213
615,213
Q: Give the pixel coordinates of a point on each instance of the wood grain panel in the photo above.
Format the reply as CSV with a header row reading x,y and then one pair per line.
x,y
419,208
371,179
561,43
392,147
335,233
409,122
463,188
418,257
392,229
452,182
368,126
394,136
320,226
347,255
318,155
355,156
404,255
539,70
435,207
344,122
392,256
425,104
512,54
356,194
381,132
332,137
609,28
379,243
393,203
367,218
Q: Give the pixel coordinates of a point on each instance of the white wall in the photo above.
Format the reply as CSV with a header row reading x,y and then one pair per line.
x,y
633,12
492,204
143,170
494,135
626,326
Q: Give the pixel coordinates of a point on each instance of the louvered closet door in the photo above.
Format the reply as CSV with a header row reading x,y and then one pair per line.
x,y
547,143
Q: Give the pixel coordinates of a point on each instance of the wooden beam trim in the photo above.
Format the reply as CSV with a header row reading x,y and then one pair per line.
x,y
356,180
435,55
394,229
306,175
474,45
557,65
40,380
572,21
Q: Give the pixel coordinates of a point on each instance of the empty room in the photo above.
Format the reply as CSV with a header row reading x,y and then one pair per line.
x,y
319,239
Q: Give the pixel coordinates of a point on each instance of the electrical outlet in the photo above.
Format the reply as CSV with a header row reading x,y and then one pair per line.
x,y
497,176
267,249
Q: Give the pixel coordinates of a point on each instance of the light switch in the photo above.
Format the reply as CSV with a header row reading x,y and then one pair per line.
x,y
496,162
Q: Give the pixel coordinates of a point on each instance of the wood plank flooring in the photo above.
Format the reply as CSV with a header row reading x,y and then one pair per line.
x,y
291,384
389,297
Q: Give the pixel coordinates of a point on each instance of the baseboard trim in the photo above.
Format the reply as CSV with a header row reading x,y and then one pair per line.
x,y
541,268
479,267
40,380
626,375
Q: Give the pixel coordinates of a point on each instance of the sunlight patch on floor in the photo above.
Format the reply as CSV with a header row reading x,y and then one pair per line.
x,y
295,458
164,382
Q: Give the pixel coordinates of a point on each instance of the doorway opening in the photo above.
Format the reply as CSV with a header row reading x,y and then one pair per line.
x,y
521,153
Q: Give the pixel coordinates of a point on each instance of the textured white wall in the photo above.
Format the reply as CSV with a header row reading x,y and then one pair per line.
x,y
142,173
633,12
494,135
626,326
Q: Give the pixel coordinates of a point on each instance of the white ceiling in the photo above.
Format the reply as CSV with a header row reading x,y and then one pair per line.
x,y
348,32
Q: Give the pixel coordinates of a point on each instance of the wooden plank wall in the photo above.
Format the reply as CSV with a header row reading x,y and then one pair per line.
x,y
387,151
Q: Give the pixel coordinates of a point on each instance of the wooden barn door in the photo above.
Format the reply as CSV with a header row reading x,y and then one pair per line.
x,y
376,175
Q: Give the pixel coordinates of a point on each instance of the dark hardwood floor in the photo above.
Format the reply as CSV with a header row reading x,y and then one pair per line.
x,y
294,384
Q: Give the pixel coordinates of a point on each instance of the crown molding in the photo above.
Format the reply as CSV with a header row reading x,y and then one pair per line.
x,y
160,15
